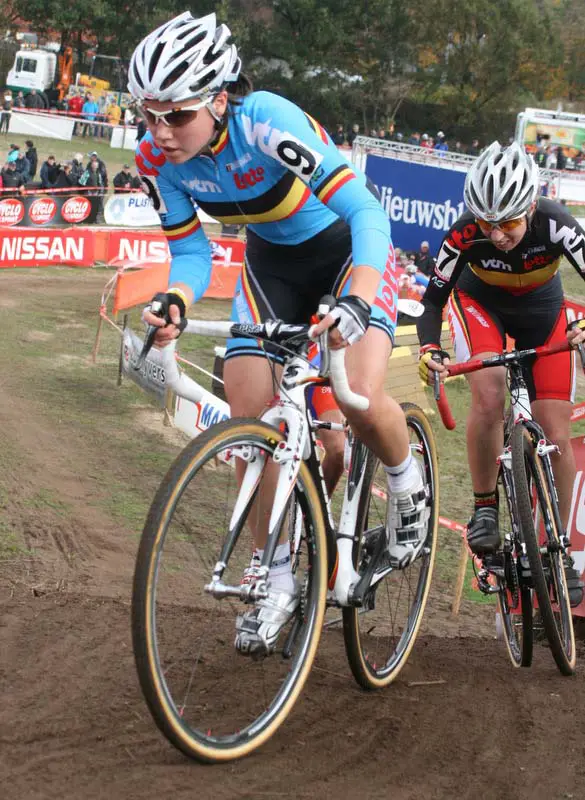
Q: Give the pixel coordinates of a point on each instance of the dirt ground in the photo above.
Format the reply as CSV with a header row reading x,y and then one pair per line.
x,y
459,721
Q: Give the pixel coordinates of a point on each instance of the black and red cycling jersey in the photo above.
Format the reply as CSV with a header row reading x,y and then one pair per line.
x,y
517,280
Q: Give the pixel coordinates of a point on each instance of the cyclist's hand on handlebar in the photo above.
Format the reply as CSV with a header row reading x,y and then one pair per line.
x,y
166,311
576,332
432,359
347,322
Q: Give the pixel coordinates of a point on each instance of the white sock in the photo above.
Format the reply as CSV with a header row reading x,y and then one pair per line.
x,y
280,574
403,477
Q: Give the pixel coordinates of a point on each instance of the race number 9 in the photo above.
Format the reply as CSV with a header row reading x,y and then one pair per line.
x,y
297,157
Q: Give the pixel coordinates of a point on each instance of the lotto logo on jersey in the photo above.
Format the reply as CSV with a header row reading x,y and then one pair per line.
x,y
250,178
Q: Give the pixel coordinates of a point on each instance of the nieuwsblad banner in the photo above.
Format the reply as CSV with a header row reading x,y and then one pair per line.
x,y
48,211
421,201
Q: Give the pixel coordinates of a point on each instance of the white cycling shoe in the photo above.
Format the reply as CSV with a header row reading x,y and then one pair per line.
x,y
406,523
257,630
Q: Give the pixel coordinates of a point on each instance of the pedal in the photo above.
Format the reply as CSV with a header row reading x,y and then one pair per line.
x,y
483,584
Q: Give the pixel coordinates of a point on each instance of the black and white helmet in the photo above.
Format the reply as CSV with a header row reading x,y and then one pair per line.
x,y
184,59
502,183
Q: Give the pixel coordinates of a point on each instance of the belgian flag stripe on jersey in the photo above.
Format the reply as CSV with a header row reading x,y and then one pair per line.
x,y
182,229
282,200
319,130
334,181
221,143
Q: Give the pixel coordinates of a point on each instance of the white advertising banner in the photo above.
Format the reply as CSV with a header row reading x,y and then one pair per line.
x,y
48,125
135,210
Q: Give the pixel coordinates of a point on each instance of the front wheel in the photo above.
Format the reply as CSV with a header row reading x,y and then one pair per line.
x,y
515,604
208,700
380,635
538,514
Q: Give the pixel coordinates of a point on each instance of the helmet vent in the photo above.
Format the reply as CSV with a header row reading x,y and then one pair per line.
x,y
178,71
154,59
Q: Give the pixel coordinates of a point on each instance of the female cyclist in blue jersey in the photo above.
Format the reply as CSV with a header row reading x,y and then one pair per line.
x,y
313,227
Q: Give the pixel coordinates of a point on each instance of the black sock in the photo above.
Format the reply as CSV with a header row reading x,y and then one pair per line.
x,y
486,500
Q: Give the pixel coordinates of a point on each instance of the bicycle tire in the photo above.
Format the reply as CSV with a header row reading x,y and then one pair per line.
x,y
198,743
367,672
520,648
528,473
517,628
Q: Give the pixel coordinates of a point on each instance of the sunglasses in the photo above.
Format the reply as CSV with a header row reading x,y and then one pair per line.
x,y
174,118
506,226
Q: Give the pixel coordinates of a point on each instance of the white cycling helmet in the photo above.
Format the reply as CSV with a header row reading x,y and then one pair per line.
x,y
502,183
184,59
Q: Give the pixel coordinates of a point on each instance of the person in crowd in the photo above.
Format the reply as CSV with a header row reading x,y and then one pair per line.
x,y
441,143
89,112
398,137
341,221
473,149
74,107
32,156
92,177
561,158
425,141
382,133
458,147
123,180
7,105
414,139
65,179
34,101
13,152
12,179
77,168
49,172
423,260
130,114
355,131
550,161
339,135
113,114
102,117
498,270
19,100
141,127
22,165
103,170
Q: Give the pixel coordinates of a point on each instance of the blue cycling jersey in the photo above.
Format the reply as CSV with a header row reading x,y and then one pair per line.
x,y
273,168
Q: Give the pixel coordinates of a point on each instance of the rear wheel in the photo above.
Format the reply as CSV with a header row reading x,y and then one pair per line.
x,y
380,635
536,504
208,700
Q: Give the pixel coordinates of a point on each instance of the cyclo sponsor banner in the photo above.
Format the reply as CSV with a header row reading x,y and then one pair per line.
x,y
48,210
127,247
34,248
421,201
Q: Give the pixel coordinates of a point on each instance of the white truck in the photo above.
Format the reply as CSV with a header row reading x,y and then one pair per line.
x,y
32,69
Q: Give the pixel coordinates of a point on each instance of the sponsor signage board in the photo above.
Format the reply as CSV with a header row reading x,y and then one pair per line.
x,y
422,202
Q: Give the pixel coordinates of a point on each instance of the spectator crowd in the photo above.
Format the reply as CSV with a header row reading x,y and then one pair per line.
x,y
21,166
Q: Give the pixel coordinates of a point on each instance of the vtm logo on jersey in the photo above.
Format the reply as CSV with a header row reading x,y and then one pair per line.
x,y
11,211
76,209
42,210
250,178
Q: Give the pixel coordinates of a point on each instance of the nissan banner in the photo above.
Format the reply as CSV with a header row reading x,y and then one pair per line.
x,y
421,201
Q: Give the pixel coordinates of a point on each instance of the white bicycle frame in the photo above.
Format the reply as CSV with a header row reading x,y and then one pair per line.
x,y
290,409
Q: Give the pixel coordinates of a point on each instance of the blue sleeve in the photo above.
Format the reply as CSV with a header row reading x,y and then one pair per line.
x,y
188,244
282,131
